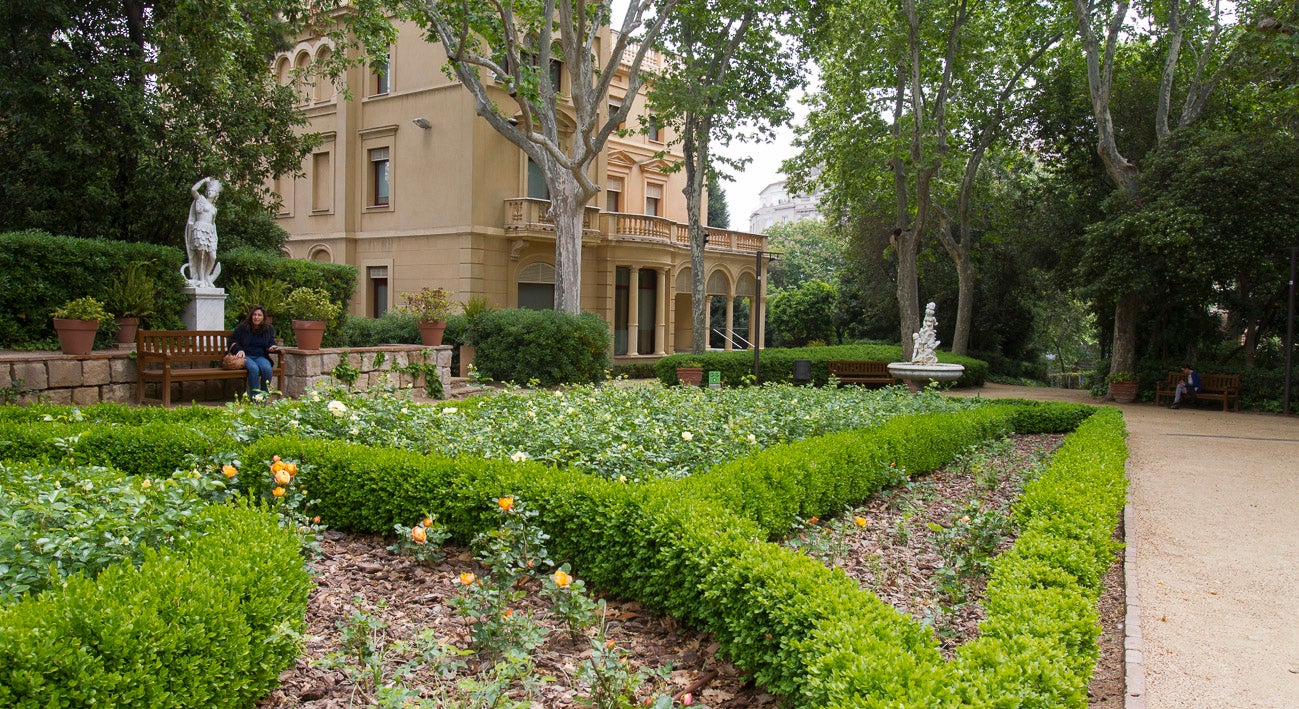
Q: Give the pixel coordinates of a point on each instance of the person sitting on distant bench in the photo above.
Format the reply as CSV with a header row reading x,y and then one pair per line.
x,y
1187,388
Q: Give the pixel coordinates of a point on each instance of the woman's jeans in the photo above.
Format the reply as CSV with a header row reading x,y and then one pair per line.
x,y
259,374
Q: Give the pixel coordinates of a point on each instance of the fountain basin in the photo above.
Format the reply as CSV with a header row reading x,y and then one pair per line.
x,y
918,375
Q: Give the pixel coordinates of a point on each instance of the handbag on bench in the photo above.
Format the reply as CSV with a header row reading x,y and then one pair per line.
x,y
233,360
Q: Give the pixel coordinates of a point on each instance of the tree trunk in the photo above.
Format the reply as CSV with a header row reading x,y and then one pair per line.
x,y
1124,354
567,208
964,305
908,290
695,150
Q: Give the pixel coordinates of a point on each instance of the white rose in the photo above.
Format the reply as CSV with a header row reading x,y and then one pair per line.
x,y
686,435
337,408
519,456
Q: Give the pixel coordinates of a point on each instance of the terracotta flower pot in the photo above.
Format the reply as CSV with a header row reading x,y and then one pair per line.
x,y
690,376
430,333
76,337
309,333
126,328
1123,392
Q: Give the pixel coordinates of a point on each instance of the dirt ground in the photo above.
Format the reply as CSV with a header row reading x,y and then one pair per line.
x,y
1214,496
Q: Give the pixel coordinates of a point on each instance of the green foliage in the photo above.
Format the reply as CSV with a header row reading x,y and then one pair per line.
x,y
777,364
150,449
245,264
811,250
311,304
83,308
270,293
800,314
543,345
133,293
212,623
39,272
428,304
108,125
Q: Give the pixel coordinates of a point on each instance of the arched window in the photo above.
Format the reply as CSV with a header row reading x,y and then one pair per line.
x,y
537,286
324,87
302,64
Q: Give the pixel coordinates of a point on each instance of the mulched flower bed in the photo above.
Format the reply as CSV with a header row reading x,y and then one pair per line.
x,y
893,544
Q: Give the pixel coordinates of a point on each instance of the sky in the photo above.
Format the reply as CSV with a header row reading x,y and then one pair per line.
x,y
762,170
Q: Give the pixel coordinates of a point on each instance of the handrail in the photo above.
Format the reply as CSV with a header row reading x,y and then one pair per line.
x,y
742,342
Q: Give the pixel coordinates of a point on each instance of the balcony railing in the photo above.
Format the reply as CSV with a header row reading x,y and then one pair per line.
x,y
525,214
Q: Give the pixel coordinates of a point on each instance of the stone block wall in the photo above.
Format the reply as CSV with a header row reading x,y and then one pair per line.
x,y
305,370
109,375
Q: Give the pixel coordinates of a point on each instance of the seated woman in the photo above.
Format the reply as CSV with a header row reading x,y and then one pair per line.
x,y
256,339
1187,388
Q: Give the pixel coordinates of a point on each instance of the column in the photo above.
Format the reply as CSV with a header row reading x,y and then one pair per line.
x,y
753,319
633,313
661,313
730,319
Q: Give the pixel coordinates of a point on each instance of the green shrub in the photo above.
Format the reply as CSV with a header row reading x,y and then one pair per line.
x,y
632,370
246,264
546,345
211,623
152,449
777,364
392,329
39,272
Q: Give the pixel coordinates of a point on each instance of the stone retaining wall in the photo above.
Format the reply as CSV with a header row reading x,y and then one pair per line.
x,y
109,375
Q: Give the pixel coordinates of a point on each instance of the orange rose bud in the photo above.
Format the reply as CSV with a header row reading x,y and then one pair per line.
x,y
283,477
508,613
467,579
814,520
418,535
562,579
506,503
275,458
278,492
609,645
229,471
428,522
315,520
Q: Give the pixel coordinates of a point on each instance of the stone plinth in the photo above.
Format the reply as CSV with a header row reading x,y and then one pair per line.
x,y
206,309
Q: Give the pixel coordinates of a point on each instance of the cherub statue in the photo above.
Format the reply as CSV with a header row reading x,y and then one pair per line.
x,y
201,236
925,342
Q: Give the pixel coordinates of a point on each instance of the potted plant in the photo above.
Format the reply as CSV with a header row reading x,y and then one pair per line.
x,y
77,322
132,295
474,310
690,373
431,307
1122,387
311,309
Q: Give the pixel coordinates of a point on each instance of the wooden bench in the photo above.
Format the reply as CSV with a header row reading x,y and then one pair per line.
x,y
856,372
1214,387
198,351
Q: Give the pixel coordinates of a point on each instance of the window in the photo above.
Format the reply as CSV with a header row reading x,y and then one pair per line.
x,y
653,200
378,276
613,108
379,186
322,183
537,188
381,72
613,195
537,287
653,129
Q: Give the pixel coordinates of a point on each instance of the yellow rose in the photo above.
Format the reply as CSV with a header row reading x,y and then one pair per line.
x,y
277,466
278,492
467,579
562,579
861,521
292,468
229,471
428,522
283,477
506,503
418,535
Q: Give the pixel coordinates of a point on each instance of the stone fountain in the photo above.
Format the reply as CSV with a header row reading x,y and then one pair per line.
x,y
924,366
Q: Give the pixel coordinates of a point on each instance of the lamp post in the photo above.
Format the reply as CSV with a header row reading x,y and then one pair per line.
x,y
1289,331
758,329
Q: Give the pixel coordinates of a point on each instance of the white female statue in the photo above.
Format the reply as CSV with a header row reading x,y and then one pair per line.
x,y
201,236
926,341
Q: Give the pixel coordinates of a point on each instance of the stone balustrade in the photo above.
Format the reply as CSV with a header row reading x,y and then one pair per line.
x,y
109,375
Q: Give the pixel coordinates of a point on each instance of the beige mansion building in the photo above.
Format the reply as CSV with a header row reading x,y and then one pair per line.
x,y
415,190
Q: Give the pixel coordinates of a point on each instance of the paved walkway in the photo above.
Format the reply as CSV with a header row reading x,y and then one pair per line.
x,y
1215,532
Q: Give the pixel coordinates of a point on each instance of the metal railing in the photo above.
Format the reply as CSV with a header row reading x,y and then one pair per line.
x,y
737,340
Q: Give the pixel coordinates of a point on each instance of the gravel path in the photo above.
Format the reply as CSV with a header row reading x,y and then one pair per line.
x,y
1215,533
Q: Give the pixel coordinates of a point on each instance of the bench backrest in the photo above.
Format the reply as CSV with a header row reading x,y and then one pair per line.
x,y
1220,382
858,367
181,345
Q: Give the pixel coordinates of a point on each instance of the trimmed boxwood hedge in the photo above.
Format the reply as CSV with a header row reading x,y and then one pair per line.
x,y
198,626
777,364
693,549
153,449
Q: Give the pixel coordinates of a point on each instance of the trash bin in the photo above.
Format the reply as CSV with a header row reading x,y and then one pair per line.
x,y
802,371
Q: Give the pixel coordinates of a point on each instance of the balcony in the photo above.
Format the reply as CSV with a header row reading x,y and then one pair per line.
x,y
531,217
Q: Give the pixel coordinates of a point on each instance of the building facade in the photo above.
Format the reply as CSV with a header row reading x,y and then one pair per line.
x,y
777,205
415,190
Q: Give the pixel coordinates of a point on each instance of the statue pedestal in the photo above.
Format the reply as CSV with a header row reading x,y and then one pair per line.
x,y
206,309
